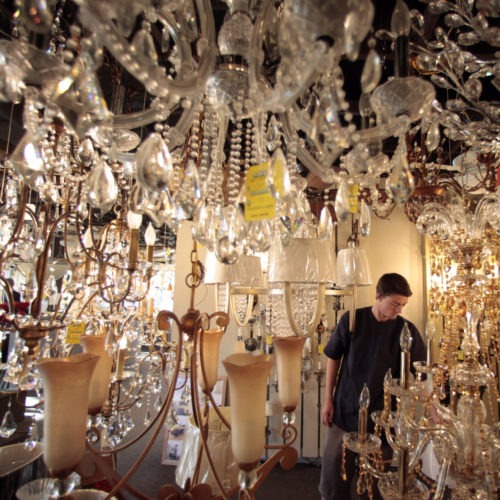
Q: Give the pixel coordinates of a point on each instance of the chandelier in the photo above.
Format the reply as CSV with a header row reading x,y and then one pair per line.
x,y
239,116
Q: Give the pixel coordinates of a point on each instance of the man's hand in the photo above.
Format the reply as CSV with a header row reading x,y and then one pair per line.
x,y
327,412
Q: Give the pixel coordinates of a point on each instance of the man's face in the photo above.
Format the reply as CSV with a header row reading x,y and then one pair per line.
x,y
389,306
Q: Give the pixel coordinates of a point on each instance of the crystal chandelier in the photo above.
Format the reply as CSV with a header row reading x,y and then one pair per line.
x,y
152,113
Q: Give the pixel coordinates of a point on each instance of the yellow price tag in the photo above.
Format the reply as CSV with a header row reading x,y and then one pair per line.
x,y
73,332
259,203
269,340
321,348
353,198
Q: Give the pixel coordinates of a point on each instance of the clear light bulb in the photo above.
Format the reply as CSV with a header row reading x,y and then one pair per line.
x,y
364,397
150,235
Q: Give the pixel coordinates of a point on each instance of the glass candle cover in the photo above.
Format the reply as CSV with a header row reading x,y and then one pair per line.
x,y
210,343
247,376
289,361
66,383
99,385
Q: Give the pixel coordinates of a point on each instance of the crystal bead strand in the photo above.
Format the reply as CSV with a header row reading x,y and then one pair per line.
x,y
234,163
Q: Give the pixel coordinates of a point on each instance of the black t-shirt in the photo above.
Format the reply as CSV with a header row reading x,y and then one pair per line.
x,y
367,355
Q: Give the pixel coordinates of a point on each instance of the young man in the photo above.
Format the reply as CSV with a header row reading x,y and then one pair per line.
x,y
355,358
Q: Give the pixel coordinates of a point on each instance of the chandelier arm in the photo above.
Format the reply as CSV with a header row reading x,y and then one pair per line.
x,y
93,15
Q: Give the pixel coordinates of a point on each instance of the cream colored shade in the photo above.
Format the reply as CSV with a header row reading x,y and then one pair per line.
x,y
246,271
99,385
247,376
210,343
353,267
66,383
303,260
289,365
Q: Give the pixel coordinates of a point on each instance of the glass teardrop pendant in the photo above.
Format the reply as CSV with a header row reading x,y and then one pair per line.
x,y
400,181
278,178
154,164
342,201
102,188
325,226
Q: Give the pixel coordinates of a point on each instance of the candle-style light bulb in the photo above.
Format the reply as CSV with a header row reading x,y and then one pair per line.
x,y
405,338
150,235
87,238
364,397
387,395
405,341
430,332
364,402
134,221
150,238
401,19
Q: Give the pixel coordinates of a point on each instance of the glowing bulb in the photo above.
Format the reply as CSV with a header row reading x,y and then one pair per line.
x,y
150,235
134,220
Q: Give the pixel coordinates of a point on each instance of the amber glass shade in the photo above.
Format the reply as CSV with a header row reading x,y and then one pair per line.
x,y
247,376
289,364
99,385
66,383
210,344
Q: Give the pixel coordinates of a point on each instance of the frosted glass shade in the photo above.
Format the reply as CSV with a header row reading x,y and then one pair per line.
x,y
303,260
247,376
210,343
99,384
353,268
66,383
246,271
289,364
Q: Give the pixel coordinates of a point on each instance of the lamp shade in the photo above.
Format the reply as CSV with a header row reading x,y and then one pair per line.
x,y
353,268
303,260
246,271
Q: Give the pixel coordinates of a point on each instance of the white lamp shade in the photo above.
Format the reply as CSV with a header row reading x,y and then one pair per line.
x,y
246,271
303,260
353,268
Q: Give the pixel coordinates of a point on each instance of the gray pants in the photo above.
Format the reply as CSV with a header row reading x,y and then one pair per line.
x,y
332,486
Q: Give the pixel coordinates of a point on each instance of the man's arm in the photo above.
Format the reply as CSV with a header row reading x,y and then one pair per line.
x,y
332,371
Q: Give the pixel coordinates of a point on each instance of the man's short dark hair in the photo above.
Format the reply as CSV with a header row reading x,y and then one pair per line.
x,y
393,284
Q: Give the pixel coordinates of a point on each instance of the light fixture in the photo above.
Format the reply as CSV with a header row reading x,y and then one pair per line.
x,y
298,274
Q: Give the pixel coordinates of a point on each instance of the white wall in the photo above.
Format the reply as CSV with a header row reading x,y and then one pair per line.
x,y
394,245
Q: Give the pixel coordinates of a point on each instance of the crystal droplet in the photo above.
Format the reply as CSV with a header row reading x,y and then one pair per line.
x,y
230,236
165,39
400,181
86,151
325,226
140,198
38,15
259,236
8,426
102,187
27,158
273,134
204,230
372,71
432,137
154,165
365,222
342,201
278,178
143,44
162,211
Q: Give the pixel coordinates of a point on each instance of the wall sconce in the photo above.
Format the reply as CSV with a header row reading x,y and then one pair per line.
x,y
295,268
